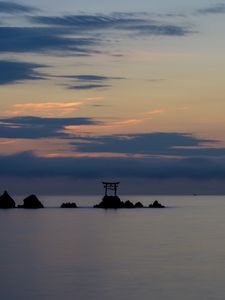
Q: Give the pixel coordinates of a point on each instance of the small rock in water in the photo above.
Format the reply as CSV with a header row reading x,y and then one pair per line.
x,y
156,204
68,205
128,204
138,205
31,202
6,201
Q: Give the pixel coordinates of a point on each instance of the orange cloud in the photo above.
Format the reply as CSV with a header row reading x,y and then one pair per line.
x,y
155,111
121,126
6,142
48,109
127,122
91,155
40,147
54,148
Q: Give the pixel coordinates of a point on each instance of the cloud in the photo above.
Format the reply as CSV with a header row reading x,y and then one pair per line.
x,y
155,111
30,166
218,8
89,86
15,71
91,78
125,22
12,7
42,40
35,127
90,82
49,109
154,156
80,34
153,144
159,144
140,143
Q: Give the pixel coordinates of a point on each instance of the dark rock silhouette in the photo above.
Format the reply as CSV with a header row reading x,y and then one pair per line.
x,y
31,202
115,202
156,204
138,205
68,205
6,201
128,204
110,202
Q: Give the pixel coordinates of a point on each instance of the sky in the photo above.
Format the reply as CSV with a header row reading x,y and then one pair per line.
x,y
129,91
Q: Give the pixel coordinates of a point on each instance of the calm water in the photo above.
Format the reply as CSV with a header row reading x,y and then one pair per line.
x,y
176,253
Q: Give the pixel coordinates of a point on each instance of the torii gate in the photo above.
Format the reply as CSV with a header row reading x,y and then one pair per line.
x,y
112,186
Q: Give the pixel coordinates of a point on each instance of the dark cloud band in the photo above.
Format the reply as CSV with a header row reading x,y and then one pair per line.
x,y
14,71
133,23
12,8
37,128
38,39
28,165
218,8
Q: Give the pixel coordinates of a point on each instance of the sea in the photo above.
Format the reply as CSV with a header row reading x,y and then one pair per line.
x,y
176,253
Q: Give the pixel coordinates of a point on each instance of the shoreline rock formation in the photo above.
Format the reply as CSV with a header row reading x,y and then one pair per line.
x,y
115,203
110,202
6,201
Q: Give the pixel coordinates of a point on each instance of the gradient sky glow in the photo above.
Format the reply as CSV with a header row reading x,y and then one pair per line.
x,y
124,90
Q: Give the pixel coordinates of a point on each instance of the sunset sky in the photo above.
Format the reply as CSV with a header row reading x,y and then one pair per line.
x,y
132,91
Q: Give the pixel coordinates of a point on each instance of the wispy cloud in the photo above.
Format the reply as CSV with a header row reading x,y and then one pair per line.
x,y
105,127
218,8
15,71
169,144
90,82
127,122
12,8
155,111
44,40
89,86
91,78
48,109
26,127
133,23
77,33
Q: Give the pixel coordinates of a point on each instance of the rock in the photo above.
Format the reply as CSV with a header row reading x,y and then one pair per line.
x,y
6,201
138,205
156,204
115,202
110,202
128,204
68,205
31,202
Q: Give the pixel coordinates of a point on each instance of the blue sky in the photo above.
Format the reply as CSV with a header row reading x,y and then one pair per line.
x,y
123,90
